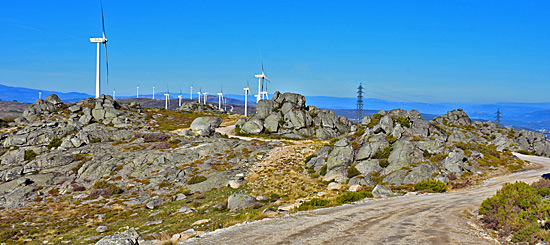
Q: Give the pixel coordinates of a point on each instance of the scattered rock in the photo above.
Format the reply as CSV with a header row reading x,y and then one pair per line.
x,y
240,201
382,191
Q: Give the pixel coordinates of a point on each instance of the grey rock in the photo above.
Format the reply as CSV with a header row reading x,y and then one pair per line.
x,y
368,166
421,172
202,123
338,160
253,126
74,108
102,228
401,156
186,210
271,123
454,162
366,120
128,237
240,201
396,177
382,191
154,203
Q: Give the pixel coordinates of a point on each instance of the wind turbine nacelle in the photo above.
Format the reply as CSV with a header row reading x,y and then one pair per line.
x,y
98,40
259,76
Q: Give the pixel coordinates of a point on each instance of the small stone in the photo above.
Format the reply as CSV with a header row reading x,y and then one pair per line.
x,y
355,188
334,186
180,196
200,222
185,210
219,206
154,222
101,228
262,198
154,203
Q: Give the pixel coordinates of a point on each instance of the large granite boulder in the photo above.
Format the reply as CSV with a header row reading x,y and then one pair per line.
x,y
202,123
338,160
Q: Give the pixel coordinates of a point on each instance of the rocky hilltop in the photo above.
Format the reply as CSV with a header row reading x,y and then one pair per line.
x,y
398,147
287,115
89,170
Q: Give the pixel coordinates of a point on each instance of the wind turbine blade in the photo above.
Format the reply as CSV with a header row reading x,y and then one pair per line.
x,y
106,61
102,19
261,59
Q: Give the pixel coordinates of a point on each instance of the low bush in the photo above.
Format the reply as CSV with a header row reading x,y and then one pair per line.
x,y
349,196
29,155
196,179
95,140
383,153
107,188
436,186
516,208
54,143
383,163
313,203
323,170
352,172
308,158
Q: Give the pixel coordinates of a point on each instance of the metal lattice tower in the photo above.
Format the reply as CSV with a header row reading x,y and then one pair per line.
x,y
498,116
359,111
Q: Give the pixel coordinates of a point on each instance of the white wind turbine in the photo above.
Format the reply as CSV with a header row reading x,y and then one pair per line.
x,y
114,93
220,95
40,95
261,78
167,95
100,40
153,91
205,97
246,91
191,94
137,92
179,97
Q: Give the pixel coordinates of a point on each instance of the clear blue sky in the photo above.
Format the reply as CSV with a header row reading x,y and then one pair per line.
x,y
425,51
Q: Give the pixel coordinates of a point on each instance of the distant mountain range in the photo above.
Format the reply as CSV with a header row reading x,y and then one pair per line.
x,y
527,115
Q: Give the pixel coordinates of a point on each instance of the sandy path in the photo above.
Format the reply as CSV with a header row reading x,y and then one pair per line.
x,y
430,218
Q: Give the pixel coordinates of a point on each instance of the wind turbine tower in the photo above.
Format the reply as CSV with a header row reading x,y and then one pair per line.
x,y
166,104
153,91
179,97
220,95
205,97
114,92
199,96
191,94
99,41
261,78
40,95
137,92
246,91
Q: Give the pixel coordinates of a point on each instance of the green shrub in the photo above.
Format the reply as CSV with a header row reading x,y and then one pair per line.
x,y
54,143
514,208
196,179
383,163
532,153
404,121
29,155
436,186
383,153
352,172
390,138
313,203
95,140
107,188
349,196
374,120
323,170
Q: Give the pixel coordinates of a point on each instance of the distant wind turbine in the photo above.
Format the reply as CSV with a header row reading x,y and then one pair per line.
x,y
179,97
205,97
153,91
137,92
100,40
191,94
246,91
40,95
261,78
114,93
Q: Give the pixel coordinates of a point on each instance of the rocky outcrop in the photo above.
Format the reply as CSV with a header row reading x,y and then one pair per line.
x,y
287,115
398,147
205,126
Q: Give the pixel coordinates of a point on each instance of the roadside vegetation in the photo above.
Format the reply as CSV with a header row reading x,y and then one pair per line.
x,y
519,210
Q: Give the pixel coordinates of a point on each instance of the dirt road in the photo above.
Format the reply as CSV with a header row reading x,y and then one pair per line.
x,y
425,219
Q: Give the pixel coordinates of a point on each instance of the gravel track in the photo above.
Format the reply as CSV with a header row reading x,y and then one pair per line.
x,y
425,219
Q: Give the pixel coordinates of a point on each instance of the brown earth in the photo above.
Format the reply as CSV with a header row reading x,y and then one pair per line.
x,y
428,218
